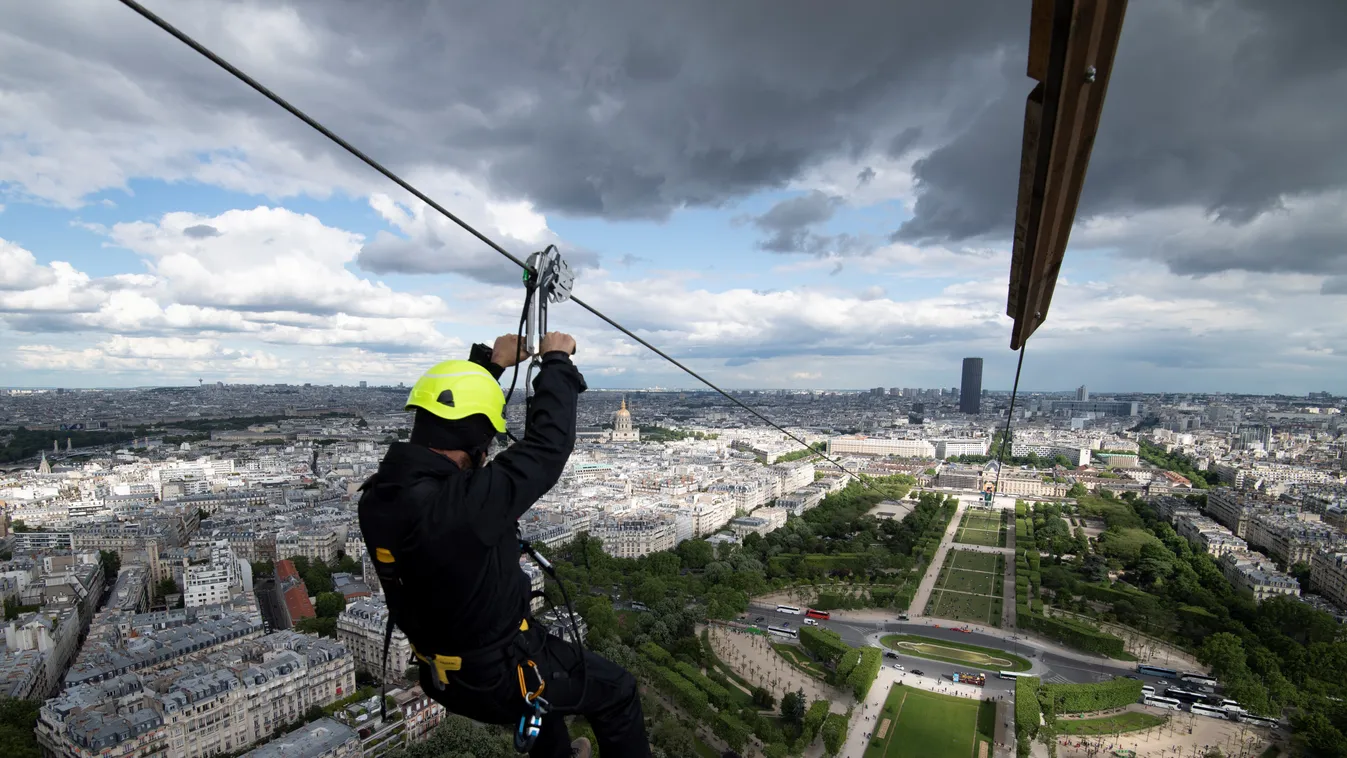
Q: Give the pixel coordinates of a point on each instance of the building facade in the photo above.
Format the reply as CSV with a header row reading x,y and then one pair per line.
x,y
360,628
634,535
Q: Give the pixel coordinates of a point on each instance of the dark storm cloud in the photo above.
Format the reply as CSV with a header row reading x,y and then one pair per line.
x,y
1229,107
789,223
607,107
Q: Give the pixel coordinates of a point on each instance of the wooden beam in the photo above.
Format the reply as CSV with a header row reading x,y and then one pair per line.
x,y
1061,119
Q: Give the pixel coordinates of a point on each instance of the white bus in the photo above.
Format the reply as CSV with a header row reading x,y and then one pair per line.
x,y
1147,691
1209,681
782,631
1210,711
1164,702
1249,718
1012,674
792,610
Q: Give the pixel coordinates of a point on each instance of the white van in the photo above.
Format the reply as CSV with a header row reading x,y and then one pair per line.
x,y
810,622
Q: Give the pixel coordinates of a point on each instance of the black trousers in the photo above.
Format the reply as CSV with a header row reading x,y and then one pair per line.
x,y
611,702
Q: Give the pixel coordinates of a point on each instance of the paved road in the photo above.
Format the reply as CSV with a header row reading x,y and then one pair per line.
x,y
1052,667
927,584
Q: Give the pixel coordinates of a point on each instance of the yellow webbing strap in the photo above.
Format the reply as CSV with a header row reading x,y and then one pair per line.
x,y
443,664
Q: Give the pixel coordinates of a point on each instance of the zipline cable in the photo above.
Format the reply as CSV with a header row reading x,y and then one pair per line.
x,y
1005,436
186,39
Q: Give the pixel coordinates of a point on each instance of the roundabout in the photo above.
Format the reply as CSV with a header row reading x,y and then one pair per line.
x,y
953,652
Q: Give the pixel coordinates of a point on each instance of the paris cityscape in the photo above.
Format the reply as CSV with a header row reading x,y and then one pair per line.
x,y
881,379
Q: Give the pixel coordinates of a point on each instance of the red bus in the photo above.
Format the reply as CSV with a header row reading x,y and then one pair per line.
x,y
813,614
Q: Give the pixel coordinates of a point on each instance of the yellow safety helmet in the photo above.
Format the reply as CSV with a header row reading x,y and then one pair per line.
x,y
455,390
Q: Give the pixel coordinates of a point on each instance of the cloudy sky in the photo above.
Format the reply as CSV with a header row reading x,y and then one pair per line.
x,y
784,194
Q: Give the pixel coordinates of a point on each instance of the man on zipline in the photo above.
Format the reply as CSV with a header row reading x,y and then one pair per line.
x,y
439,519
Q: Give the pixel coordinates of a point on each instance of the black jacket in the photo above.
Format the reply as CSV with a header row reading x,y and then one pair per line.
x,y
452,532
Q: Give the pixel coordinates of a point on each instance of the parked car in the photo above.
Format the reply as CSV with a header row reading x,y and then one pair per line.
x,y
919,672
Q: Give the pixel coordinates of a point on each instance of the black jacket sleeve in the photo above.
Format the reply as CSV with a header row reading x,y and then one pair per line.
x,y
511,483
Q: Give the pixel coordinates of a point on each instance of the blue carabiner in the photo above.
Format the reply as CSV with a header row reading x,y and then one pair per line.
x,y
530,726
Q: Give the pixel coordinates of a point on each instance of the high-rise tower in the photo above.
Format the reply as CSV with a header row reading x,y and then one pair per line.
x,y
970,392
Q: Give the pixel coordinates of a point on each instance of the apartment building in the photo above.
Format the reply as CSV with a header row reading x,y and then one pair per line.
x,y
862,445
799,502
1255,575
774,516
30,542
1230,508
360,628
198,708
743,496
324,738
1097,407
633,535
551,534
746,525
962,446
214,580
709,513
1289,538
318,543
1328,575
420,714
1073,450
536,581
38,647
794,475
118,643
1206,534
1028,484
957,477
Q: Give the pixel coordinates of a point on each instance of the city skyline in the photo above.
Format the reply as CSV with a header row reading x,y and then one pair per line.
x,y
162,223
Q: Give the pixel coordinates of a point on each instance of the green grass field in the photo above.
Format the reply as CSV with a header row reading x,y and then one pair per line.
x,y
955,652
926,725
969,588
981,529
961,606
966,559
976,582
1123,722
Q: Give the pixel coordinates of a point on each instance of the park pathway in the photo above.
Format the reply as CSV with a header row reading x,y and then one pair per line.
x,y
1008,619
918,607
752,657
